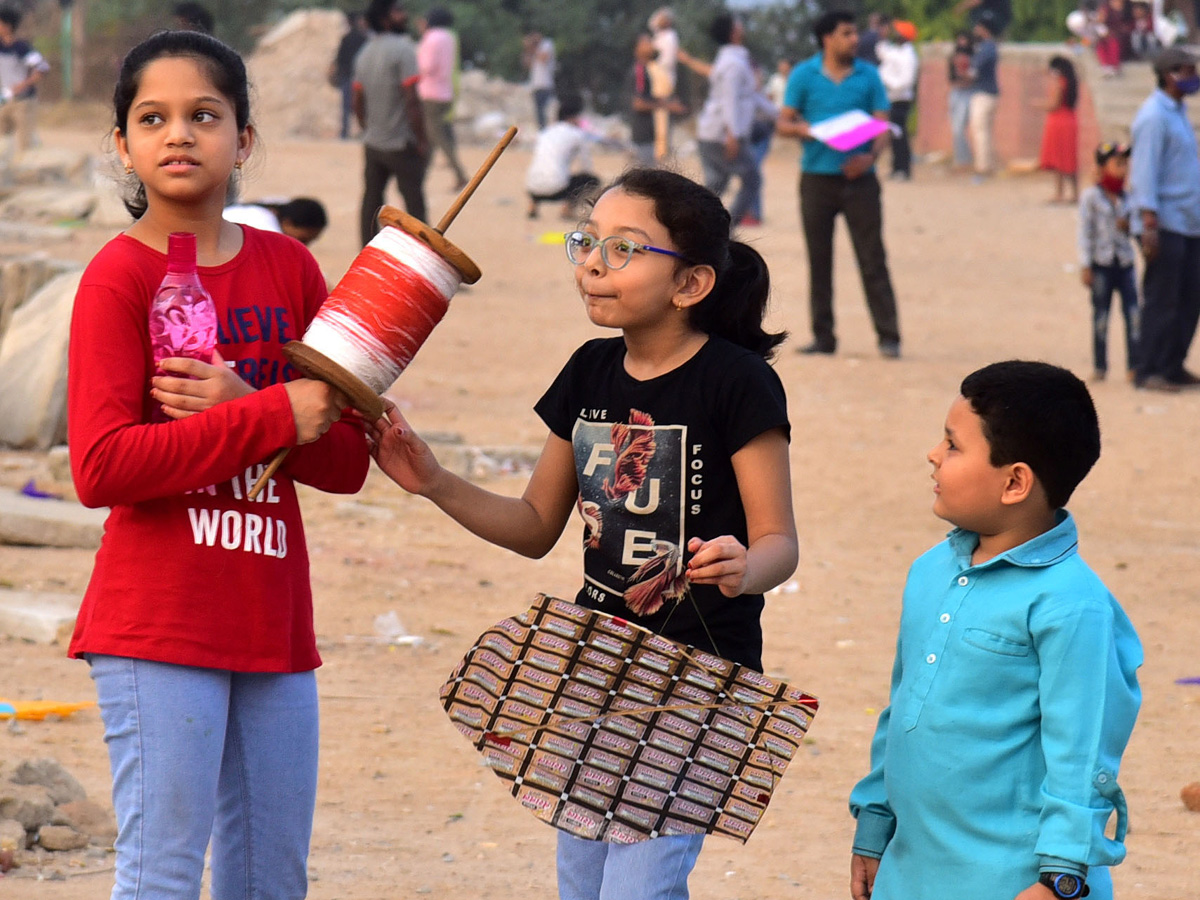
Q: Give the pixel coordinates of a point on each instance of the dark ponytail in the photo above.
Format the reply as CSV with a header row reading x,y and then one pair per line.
x,y
699,227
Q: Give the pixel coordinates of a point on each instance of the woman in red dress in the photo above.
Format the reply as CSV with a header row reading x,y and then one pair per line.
x,y
1060,137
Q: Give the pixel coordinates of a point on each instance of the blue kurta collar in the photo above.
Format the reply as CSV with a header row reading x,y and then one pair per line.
x,y
1044,550
1166,101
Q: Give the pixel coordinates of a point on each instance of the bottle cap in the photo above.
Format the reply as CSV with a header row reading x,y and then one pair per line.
x,y
181,253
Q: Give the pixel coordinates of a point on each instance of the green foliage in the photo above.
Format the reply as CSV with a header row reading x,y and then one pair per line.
x,y
594,40
1033,20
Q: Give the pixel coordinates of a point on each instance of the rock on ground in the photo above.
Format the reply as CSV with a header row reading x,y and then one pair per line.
x,y
33,367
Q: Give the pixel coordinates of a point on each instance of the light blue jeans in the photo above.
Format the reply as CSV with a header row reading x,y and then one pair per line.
x,y
960,109
200,752
656,869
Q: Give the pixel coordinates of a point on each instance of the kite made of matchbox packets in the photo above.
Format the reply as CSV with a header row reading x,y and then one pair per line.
x,y
612,732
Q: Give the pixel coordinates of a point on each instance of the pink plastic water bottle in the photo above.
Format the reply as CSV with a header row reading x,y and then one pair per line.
x,y
183,318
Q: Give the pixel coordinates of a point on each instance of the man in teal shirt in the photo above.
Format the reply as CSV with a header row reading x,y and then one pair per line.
x,y
833,182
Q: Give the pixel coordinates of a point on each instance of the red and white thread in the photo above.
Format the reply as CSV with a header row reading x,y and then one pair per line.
x,y
384,308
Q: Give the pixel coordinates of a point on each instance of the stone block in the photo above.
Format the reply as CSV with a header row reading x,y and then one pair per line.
x,y
49,205
39,522
29,804
89,817
61,837
33,367
12,835
41,618
58,461
60,784
50,165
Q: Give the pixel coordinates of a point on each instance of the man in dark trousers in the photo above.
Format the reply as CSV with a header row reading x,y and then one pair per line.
x,y
389,111
832,182
341,70
1165,196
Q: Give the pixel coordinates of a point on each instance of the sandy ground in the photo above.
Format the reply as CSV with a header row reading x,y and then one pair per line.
x,y
405,810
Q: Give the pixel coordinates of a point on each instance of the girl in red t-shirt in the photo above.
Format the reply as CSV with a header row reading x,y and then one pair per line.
x,y
197,621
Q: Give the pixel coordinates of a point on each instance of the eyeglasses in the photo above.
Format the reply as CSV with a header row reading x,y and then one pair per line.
x,y
616,251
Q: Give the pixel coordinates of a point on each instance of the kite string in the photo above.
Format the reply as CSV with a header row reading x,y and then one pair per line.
x,y
687,591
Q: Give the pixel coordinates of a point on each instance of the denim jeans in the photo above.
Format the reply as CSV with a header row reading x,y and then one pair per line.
x,y
718,170
541,105
200,752
656,869
960,109
1105,280
758,150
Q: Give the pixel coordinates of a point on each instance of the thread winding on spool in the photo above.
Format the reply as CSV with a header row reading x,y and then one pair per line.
x,y
384,308
381,313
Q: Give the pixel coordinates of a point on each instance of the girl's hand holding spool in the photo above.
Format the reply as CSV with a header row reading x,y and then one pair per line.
x,y
193,386
315,407
401,453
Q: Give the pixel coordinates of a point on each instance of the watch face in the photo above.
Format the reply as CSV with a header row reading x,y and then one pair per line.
x,y
1066,885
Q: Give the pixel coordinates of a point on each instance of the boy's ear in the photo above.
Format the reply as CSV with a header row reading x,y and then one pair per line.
x,y
1020,485
695,283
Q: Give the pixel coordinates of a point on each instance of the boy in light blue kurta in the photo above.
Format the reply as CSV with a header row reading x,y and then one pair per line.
x,y
1014,688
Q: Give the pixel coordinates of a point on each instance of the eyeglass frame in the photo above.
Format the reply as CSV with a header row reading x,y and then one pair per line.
x,y
602,243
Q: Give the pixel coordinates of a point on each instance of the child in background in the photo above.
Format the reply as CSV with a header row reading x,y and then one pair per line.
x,y
197,621
302,218
1106,256
558,150
1060,135
1014,688
685,389
1143,42
960,98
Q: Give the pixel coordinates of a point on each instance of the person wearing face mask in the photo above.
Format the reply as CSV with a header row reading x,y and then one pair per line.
x,y
1106,255
1165,195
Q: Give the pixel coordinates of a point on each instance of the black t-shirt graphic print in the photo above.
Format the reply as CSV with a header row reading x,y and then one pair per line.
x,y
653,461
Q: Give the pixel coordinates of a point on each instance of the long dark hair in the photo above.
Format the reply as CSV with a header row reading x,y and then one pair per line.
x,y
699,227
221,63
1066,69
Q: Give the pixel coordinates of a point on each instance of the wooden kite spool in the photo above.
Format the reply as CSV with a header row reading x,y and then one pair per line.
x,y
383,309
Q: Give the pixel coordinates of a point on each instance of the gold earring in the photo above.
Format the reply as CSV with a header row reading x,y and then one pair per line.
x,y
128,168
238,164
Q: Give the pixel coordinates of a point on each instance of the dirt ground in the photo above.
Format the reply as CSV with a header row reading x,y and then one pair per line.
x,y
405,809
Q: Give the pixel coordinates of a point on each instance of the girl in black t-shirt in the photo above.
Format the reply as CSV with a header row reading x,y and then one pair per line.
x,y
670,440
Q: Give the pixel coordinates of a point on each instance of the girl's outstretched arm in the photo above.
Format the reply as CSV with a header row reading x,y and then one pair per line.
x,y
765,484
530,524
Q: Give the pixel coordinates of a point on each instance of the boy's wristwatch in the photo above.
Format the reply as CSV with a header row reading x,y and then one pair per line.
x,y
1065,885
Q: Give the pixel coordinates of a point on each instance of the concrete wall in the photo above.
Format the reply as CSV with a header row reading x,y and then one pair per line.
x,y
1024,81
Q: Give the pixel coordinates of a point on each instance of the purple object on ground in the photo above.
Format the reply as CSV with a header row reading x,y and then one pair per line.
x,y
30,490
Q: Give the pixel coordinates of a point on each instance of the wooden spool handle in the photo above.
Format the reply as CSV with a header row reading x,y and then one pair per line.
x,y
268,472
465,194
455,208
